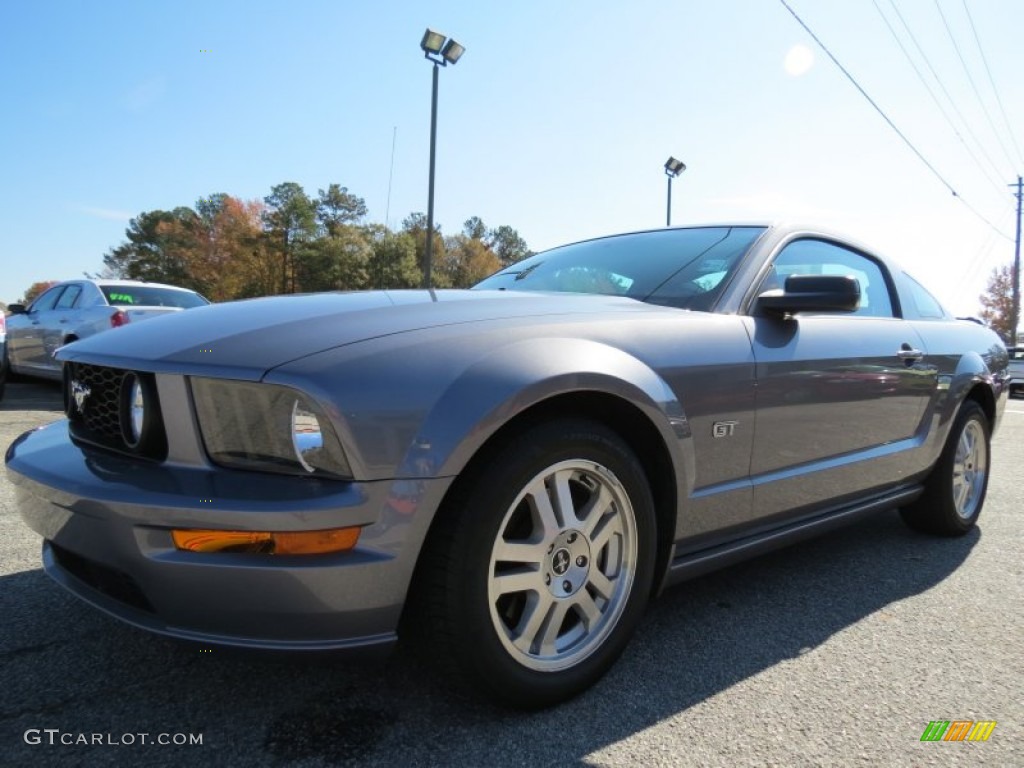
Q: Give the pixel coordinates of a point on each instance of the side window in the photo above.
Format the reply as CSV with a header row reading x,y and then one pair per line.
x,y
817,257
47,300
67,299
927,305
91,297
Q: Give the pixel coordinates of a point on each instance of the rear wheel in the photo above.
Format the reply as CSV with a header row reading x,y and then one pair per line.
x,y
541,565
955,490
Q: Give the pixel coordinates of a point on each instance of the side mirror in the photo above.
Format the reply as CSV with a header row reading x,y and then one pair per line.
x,y
16,309
812,293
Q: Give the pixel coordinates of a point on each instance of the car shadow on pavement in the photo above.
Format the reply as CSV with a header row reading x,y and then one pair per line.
x,y
66,666
35,395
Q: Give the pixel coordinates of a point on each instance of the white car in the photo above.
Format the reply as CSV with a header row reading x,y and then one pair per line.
x,y
75,309
3,354
1016,370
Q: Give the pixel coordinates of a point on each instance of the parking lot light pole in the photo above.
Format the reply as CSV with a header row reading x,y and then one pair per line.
x,y
441,51
673,168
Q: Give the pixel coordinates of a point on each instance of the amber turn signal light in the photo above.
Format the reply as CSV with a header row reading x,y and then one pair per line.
x,y
268,543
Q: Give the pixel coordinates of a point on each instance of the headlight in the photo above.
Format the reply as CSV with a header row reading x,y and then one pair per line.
x,y
266,427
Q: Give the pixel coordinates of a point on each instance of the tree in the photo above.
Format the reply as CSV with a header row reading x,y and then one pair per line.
x,y
415,225
507,245
227,248
466,261
475,228
337,262
104,274
229,231
35,289
208,208
217,249
160,247
291,221
997,303
392,263
337,208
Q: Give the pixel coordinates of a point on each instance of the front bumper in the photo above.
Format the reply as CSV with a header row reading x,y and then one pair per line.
x,y
106,523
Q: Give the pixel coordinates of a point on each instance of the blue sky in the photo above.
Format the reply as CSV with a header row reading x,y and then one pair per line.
x,y
557,121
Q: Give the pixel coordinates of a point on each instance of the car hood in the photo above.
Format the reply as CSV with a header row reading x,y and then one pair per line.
x,y
245,339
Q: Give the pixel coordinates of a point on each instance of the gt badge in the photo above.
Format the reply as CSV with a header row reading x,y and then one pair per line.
x,y
723,428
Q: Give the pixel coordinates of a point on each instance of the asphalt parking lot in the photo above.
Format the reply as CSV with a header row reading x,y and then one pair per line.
x,y
838,651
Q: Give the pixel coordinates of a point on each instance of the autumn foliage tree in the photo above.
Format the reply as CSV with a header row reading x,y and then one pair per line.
x,y
227,248
997,303
37,288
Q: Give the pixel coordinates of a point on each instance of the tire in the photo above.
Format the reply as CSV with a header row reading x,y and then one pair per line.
x,y
954,492
523,600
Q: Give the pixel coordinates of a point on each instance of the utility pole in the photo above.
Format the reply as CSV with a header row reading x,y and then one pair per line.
x,y
1015,309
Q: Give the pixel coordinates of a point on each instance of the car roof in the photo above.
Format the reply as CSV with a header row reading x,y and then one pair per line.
x,y
778,228
98,282
130,283
777,231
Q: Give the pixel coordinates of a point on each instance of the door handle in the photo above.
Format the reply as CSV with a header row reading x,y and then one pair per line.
x,y
909,355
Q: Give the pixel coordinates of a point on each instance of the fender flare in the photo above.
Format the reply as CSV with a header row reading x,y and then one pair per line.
x,y
524,374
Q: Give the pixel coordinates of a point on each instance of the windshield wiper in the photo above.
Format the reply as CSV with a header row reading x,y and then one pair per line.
x,y
523,273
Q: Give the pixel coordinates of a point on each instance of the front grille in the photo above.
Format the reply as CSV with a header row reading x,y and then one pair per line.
x,y
110,582
100,411
97,414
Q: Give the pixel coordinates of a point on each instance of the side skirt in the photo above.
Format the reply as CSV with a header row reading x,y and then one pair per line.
x,y
693,564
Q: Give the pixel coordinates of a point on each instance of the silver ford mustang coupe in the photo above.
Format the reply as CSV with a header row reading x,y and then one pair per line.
x,y
507,474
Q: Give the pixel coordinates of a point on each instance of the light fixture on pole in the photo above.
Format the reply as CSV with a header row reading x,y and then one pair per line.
x,y
441,51
673,168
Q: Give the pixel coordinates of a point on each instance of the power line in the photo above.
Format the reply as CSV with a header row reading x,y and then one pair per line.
x,y
982,260
945,91
975,211
997,185
974,87
871,101
891,124
992,82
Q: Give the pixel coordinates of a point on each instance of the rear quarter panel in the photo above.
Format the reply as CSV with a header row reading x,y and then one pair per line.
x,y
970,359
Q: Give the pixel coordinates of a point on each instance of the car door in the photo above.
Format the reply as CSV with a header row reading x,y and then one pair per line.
x,y
60,323
26,341
840,396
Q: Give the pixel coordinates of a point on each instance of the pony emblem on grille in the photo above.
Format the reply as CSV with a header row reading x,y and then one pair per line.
x,y
79,393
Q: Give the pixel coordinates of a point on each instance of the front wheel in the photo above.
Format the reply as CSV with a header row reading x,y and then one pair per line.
x,y
541,564
955,490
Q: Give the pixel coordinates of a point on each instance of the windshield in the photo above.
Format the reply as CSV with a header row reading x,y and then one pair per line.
x,y
150,296
684,268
